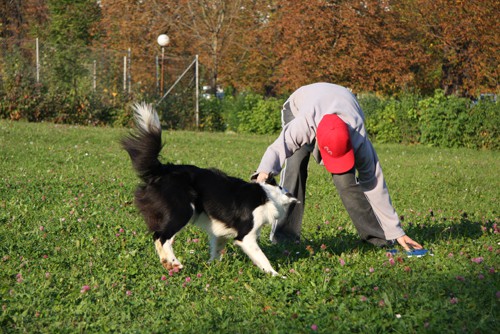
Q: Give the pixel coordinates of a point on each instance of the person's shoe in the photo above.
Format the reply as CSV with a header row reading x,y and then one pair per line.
x,y
283,237
380,242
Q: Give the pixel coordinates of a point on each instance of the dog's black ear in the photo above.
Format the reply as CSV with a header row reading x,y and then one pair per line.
x,y
253,177
270,179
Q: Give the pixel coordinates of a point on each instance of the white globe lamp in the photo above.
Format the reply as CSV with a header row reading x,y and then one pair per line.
x,y
163,40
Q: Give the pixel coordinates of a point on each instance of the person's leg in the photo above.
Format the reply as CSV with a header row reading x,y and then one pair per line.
x,y
359,209
293,178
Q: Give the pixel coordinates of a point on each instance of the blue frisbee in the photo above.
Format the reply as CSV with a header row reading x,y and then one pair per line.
x,y
418,252
414,252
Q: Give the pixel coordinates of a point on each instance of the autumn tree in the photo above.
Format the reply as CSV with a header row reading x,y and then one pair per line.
x,y
362,45
210,27
379,45
462,38
203,27
273,46
305,37
20,22
135,25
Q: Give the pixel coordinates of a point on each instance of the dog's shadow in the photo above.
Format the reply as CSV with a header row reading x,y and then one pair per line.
x,y
425,233
292,251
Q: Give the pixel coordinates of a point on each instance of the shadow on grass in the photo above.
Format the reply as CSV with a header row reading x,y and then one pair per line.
x,y
426,233
448,229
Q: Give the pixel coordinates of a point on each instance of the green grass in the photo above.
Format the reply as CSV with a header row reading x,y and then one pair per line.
x,y
67,224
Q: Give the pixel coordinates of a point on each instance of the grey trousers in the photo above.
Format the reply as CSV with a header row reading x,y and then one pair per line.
x,y
294,177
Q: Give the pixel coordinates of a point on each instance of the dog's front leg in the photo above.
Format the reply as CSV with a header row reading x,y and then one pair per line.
x,y
166,253
251,248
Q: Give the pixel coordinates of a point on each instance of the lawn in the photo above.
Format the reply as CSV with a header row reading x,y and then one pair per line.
x,y
75,255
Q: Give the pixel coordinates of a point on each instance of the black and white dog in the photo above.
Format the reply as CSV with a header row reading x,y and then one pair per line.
x,y
171,196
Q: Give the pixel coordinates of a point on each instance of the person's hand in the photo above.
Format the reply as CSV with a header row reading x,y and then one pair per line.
x,y
262,177
407,242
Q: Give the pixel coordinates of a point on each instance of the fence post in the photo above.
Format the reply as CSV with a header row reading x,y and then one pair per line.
x,y
124,74
197,94
157,75
37,62
129,76
94,76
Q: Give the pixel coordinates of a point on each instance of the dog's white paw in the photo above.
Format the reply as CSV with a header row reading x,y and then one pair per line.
x,y
171,265
273,273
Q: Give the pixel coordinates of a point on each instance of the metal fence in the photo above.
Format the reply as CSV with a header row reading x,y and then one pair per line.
x,y
110,74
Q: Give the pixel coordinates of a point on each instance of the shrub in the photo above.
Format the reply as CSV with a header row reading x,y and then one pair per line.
x,y
263,118
443,120
371,105
391,120
408,118
236,107
482,127
382,124
20,96
244,112
211,115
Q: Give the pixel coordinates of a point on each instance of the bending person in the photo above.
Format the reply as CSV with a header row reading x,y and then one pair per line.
x,y
326,120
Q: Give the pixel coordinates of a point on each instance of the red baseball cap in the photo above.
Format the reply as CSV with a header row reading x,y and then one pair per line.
x,y
334,144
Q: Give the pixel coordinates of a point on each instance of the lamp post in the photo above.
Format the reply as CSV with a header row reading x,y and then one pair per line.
x,y
163,41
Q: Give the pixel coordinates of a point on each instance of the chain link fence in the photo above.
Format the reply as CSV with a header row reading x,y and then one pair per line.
x,y
40,81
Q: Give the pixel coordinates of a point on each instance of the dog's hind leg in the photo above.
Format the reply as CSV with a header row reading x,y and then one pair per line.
x,y
164,237
249,245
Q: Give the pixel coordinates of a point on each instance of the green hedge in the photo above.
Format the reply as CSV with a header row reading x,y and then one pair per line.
x,y
393,120
439,120
244,113
264,117
482,128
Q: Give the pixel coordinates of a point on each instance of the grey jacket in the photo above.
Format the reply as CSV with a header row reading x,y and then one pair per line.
x,y
309,104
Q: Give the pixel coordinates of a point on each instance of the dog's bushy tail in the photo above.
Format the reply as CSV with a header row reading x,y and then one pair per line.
x,y
144,145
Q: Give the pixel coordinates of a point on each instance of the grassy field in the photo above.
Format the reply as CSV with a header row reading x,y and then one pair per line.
x,y
76,257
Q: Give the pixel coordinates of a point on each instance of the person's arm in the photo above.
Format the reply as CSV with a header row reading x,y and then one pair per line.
x,y
373,183
294,135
